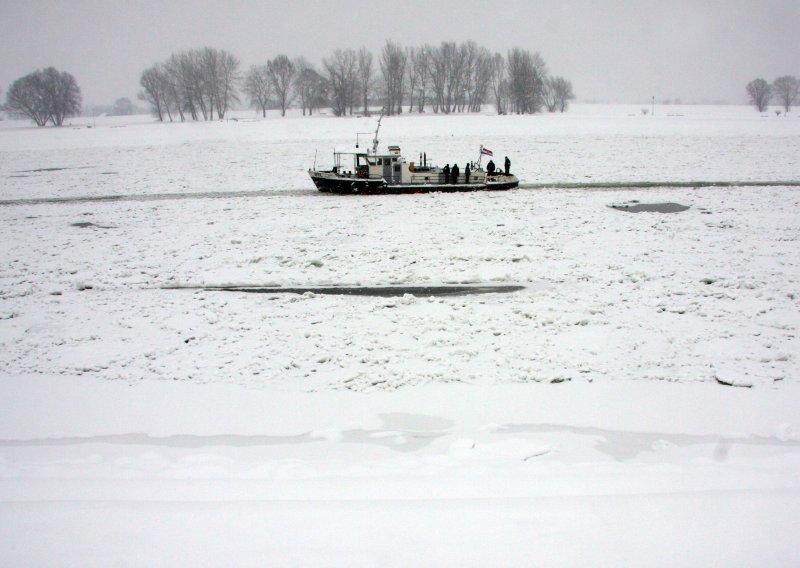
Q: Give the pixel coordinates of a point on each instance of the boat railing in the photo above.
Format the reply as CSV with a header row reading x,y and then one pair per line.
x,y
427,177
439,179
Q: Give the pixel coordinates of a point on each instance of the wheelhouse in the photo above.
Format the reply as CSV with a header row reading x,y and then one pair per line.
x,y
367,165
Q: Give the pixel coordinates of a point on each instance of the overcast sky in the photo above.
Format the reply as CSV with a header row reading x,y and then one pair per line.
x,y
615,51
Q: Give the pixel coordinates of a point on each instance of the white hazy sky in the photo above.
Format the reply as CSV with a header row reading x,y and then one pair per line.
x,y
615,51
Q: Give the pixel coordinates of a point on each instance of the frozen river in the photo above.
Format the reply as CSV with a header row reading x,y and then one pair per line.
x,y
624,391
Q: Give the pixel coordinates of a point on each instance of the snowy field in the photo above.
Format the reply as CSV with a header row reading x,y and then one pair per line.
x,y
635,403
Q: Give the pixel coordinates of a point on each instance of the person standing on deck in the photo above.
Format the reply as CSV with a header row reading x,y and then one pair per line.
x,y
490,168
446,171
466,173
454,173
507,165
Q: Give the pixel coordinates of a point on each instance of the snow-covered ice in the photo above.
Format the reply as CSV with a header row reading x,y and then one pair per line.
x,y
636,403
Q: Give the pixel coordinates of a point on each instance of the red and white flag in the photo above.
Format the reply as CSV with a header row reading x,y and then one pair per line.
x,y
486,152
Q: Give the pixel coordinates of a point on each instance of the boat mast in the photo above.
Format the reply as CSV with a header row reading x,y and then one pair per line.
x,y
375,140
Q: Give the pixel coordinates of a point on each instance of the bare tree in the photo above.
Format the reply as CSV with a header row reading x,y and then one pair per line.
x,y
42,96
341,69
455,76
412,76
549,96
526,74
227,81
480,79
499,83
195,90
173,97
419,67
183,88
281,74
760,93
301,81
393,67
27,98
557,94
318,91
310,86
447,69
440,63
469,56
365,73
216,76
351,80
208,69
257,86
452,69
63,93
154,91
785,89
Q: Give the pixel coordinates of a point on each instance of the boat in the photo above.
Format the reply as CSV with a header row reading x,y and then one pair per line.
x,y
388,172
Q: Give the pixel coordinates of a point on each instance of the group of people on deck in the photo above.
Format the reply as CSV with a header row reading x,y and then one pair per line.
x,y
451,174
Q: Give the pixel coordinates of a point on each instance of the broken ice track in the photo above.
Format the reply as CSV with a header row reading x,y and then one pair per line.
x,y
380,291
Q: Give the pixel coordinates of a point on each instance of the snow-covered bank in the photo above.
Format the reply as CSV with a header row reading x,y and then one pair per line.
x,y
603,473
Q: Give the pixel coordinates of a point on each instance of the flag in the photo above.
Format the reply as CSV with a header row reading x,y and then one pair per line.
x,y
486,152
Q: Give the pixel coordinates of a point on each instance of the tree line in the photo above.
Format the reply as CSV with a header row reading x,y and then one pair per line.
x,y
446,78
193,84
784,89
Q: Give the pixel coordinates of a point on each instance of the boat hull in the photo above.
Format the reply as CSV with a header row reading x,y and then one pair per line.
x,y
329,182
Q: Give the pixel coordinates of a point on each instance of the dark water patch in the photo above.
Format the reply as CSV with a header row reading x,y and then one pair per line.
x,y
377,291
43,170
636,207
270,193
87,224
39,170
733,383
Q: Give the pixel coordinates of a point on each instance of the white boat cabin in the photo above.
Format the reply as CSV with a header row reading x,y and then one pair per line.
x,y
390,166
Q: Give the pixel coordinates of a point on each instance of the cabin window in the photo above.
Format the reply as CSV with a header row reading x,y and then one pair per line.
x,y
397,168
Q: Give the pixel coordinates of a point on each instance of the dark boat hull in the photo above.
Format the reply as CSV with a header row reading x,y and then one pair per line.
x,y
347,185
